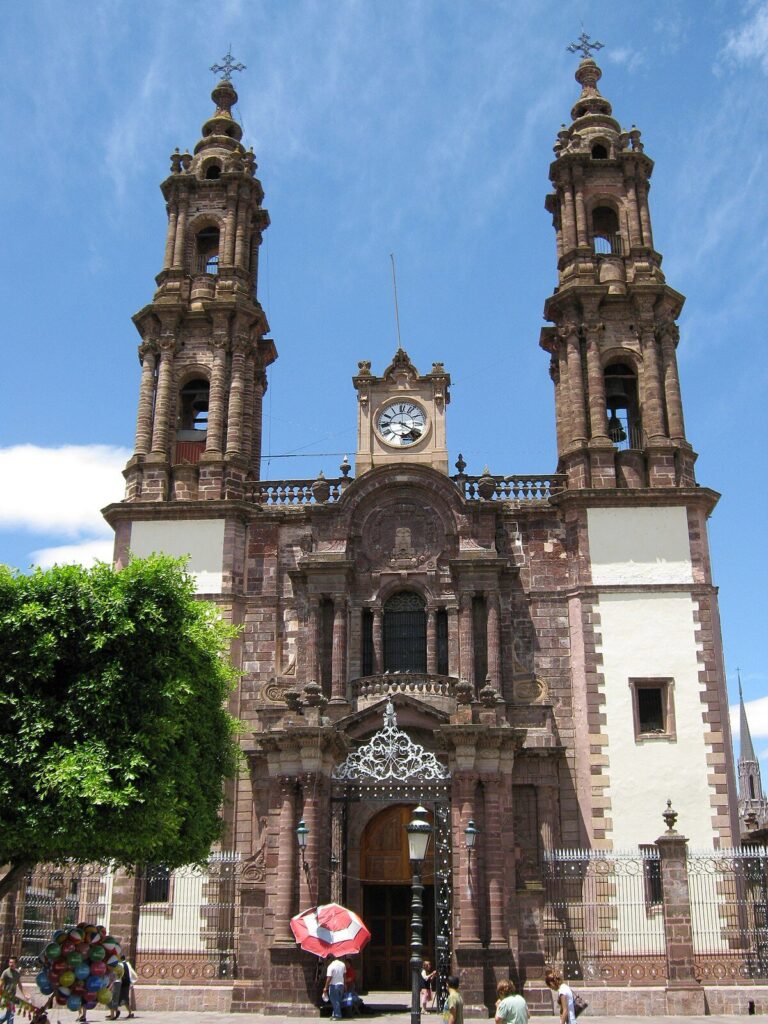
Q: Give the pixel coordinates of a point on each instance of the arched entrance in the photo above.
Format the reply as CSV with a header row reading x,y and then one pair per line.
x,y
385,872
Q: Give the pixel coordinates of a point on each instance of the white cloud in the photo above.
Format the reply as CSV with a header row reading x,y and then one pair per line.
x,y
750,41
757,716
87,552
630,59
60,490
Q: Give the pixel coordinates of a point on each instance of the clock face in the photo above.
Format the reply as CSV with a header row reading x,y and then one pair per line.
x,y
402,423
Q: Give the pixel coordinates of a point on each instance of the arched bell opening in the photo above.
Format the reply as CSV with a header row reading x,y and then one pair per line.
x,y
606,237
621,399
207,251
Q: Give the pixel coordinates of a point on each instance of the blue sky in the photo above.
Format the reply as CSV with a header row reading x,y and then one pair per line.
x,y
420,128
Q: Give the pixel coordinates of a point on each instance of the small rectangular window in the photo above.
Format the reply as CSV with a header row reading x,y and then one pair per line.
x,y
653,709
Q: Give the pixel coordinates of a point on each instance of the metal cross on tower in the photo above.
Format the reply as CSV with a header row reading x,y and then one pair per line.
x,y
585,44
227,66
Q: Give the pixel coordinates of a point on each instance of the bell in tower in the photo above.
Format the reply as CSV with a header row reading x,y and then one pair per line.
x,y
204,353
613,343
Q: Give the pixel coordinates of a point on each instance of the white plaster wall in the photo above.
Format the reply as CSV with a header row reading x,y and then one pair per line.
x,y
639,545
653,635
200,540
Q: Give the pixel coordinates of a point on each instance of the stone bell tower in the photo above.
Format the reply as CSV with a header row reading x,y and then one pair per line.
x,y
204,352
613,344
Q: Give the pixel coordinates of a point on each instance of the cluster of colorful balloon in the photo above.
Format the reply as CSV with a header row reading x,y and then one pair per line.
x,y
79,966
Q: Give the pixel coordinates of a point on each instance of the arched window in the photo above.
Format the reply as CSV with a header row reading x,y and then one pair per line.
x,y
207,251
605,231
212,172
193,410
624,427
405,633
599,152
751,787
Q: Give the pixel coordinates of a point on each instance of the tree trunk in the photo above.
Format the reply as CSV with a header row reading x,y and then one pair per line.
x,y
14,874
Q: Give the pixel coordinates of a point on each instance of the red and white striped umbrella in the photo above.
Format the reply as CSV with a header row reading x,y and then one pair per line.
x,y
331,930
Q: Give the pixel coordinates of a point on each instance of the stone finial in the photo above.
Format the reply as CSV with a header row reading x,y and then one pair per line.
x,y
186,160
460,464
176,161
462,691
345,467
321,489
313,696
670,817
293,699
364,368
489,695
486,485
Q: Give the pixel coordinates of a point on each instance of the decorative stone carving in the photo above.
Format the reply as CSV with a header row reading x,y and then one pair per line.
x,y
529,690
463,692
403,534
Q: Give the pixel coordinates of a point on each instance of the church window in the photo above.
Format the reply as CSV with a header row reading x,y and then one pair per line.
x,y
480,637
751,787
157,884
367,642
207,251
622,406
653,709
605,231
405,633
442,642
213,172
193,410
599,152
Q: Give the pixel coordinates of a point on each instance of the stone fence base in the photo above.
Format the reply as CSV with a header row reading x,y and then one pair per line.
x,y
212,997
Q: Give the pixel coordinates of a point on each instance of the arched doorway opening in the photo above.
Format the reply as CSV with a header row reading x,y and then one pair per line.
x,y
405,633
385,872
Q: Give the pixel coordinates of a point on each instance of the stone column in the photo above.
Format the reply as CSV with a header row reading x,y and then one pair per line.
x,y
494,638
378,642
560,428
236,399
127,891
259,387
217,397
248,379
148,357
569,217
453,641
672,396
575,383
181,234
634,218
339,656
229,227
494,859
582,233
466,644
598,416
242,214
653,418
170,240
161,425
645,213
431,641
466,890
564,394
313,640
286,861
684,993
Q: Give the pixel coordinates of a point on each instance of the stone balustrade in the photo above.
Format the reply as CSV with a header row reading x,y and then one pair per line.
x,y
417,683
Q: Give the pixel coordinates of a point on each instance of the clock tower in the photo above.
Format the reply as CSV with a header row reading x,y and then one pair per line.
x,y
401,415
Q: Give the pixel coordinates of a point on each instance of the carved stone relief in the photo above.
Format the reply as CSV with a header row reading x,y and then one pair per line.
x,y
402,534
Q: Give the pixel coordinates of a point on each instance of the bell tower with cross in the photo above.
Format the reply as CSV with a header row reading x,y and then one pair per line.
x,y
613,344
204,351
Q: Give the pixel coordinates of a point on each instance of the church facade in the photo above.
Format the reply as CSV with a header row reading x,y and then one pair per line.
x,y
537,656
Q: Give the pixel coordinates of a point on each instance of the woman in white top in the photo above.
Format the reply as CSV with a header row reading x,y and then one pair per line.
x,y
555,982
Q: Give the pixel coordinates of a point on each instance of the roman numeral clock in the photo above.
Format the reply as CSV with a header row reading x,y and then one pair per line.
x,y
401,415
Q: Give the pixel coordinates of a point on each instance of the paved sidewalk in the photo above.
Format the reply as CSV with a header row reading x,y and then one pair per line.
x,y
395,1016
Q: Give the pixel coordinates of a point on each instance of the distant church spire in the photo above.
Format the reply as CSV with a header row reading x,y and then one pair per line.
x,y
752,803
746,750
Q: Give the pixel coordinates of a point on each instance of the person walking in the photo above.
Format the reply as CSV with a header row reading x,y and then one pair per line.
x,y
10,981
121,992
427,982
554,981
453,1011
511,1008
334,986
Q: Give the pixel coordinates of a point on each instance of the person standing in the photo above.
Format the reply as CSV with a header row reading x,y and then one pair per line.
x,y
453,1011
427,983
10,980
554,981
334,986
511,1008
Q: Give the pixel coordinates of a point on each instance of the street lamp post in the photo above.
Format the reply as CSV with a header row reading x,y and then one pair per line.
x,y
419,830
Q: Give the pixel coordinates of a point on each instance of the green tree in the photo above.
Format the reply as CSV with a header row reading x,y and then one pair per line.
x,y
115,740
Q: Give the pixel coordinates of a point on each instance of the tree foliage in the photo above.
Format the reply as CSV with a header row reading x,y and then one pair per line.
x,y
114,735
